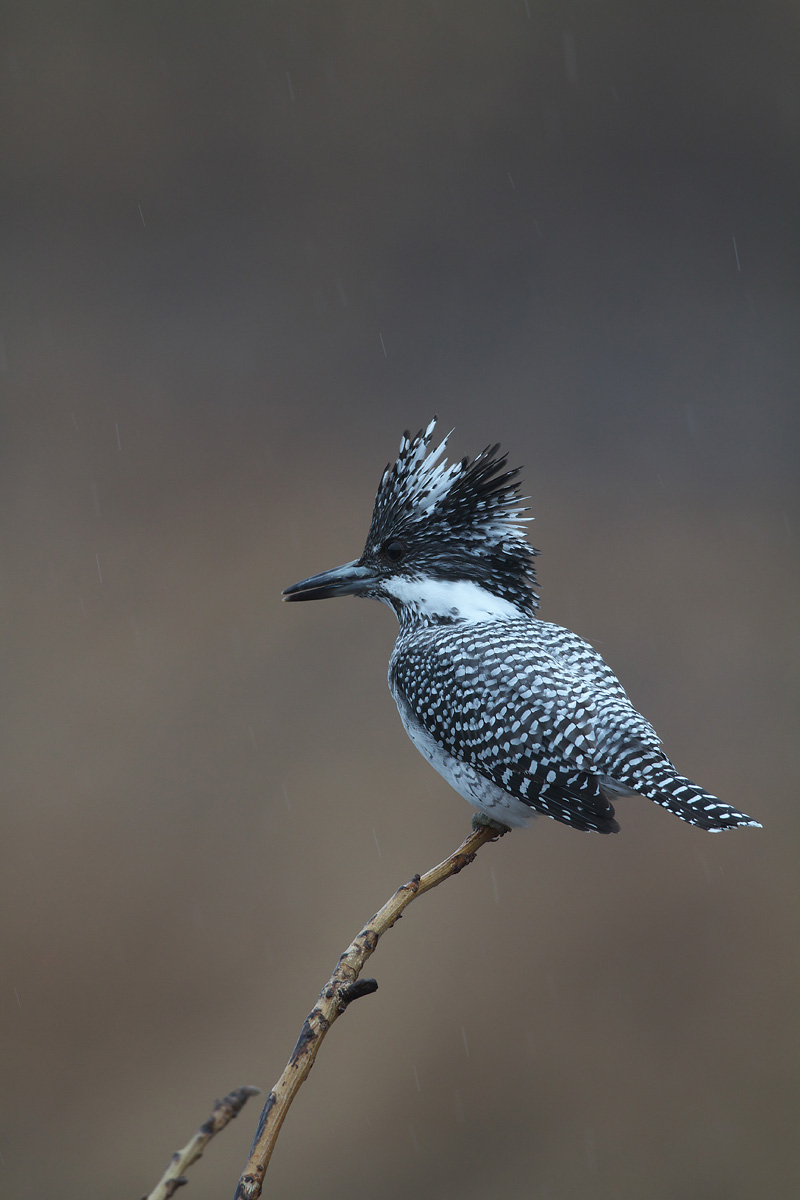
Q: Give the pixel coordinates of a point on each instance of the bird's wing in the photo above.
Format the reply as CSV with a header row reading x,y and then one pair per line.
x,y
515,712
617,727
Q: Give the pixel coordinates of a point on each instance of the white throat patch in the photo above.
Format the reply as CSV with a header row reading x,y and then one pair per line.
x,y
454,599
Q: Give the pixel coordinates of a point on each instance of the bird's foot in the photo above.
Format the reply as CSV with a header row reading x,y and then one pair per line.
x,y
481,821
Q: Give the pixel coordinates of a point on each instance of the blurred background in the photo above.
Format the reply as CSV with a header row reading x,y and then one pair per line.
x,y
244,247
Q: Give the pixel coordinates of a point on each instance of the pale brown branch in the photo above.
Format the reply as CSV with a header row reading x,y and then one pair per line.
x,y
223,1112
340,990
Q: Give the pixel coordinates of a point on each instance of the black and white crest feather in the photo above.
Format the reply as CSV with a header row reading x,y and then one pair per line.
x,y
461,519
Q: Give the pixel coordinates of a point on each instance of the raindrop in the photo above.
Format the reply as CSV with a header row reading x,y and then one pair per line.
x,y
570,58
701,858
464,1036
377,843
787,526
591,1156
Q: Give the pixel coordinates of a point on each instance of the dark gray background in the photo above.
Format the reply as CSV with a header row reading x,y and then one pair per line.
x,y
245,246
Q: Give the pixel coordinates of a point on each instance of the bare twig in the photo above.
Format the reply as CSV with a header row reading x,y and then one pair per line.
x,y
340,990
224,1111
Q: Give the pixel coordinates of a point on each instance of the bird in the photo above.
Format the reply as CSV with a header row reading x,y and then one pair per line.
x,y
520,716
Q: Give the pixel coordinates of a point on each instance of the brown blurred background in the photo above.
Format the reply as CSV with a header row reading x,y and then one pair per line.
x,y
245,246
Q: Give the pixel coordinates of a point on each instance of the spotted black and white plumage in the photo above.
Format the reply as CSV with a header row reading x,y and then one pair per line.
x,y
518,715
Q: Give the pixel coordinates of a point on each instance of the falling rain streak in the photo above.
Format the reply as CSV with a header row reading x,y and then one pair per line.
x,y
570,58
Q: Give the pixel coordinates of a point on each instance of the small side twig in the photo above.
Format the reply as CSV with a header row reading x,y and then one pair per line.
x,y
342,989
223,1112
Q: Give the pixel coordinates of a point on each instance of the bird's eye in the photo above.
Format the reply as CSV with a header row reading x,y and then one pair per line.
x,y
394,549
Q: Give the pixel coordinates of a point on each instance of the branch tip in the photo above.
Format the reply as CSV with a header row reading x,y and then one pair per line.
x,y
223,1112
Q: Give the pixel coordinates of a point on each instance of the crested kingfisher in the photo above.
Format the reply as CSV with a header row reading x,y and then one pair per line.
x,y
520,716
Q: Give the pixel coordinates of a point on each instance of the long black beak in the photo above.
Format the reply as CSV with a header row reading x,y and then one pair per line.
x,y
350,580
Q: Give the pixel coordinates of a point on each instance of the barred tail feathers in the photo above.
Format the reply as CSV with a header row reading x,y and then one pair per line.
x,y
692,803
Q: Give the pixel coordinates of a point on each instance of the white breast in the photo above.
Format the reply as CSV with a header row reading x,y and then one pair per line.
x,y
483,794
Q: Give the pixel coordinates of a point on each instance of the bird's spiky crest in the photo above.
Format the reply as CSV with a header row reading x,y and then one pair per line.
x,y
467,513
